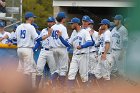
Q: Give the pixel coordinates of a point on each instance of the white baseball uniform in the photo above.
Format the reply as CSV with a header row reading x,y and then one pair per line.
x,y
104,66
26,35
46,54
59,50
5,41
119,36
80,57
93,52
13,37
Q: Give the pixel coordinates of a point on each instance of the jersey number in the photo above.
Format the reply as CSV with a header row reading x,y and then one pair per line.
x,y
118,42
22,34
54,35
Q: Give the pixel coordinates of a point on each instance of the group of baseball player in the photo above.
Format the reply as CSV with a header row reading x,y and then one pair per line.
x,y
96,54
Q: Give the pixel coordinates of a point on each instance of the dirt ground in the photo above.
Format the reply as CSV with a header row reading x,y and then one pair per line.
x,y
13,82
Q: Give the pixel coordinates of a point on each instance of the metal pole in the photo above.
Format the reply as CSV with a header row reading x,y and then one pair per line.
x,y
20,10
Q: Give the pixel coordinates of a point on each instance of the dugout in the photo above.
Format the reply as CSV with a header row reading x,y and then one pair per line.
x,y
96,9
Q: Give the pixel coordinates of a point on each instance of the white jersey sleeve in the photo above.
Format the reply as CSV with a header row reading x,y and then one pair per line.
x,y
72,37
107,36
4,41
65,34
87,36
34,34
43,32
8,34
125,34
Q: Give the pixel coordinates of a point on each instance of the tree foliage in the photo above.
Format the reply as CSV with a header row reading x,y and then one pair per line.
x,y
41,8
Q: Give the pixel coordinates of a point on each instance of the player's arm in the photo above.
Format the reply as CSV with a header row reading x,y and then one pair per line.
x,y
5,37
93,42
107,45
37,45
89,42
34,35
86,45
63,40
47,34
44,35
125,38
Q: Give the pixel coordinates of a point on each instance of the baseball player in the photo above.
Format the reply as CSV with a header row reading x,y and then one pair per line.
x,y
37,51
80,40
93,51
4,36
60,51
119,42
26,35
46,54
13,39
105,59
87,24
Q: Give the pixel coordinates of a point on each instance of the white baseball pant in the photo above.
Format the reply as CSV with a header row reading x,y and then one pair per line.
x,y
79,62
26,60
104,67
92,62
46,56
61,59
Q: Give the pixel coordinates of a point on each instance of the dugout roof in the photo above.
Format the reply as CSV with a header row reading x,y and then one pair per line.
x,y
93,3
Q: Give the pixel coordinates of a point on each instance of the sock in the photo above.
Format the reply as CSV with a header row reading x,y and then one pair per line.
x,y
38,79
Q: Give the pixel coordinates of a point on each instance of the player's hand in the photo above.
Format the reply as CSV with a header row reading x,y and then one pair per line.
x,y
5,37
49,32
59,33
103,57
78,47
1,39
9,44
91,32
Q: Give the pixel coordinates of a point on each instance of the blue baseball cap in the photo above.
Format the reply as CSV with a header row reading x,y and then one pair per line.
x,y
61,15
105,22
29,15
75,20
2,24
86,18
35,25
15,27
118,17
51,19
91,21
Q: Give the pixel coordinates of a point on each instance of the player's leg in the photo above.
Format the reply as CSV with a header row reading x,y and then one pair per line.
x,y
74,66
52,66
92,66
115,68
20,64
56,57
40,66
26,55
115,57
63,63
98,68
107,65
83,69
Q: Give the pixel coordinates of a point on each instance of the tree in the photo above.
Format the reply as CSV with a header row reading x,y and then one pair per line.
x,y
41,8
